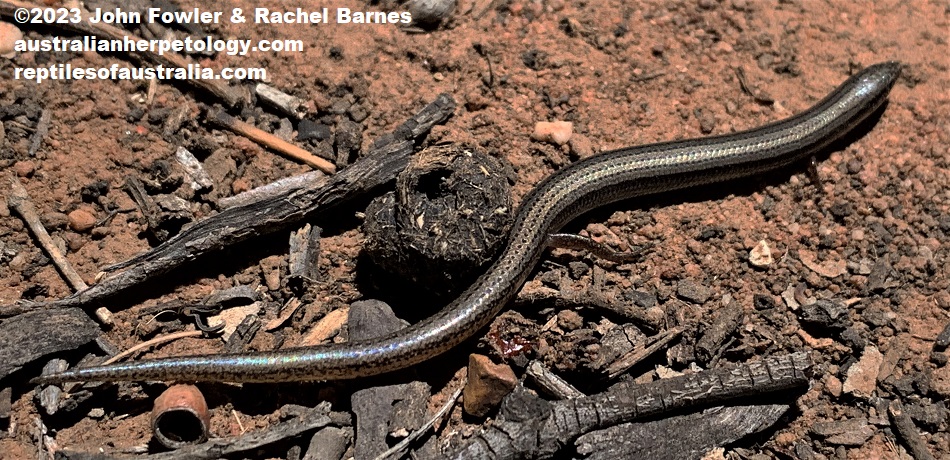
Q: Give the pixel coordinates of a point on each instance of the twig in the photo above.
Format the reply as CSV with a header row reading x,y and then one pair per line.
x,y
402,445
223,120
19,200
42,129
550,382
906,431
625,362
237,418
539,430
287,104
758,95
230,96
153,342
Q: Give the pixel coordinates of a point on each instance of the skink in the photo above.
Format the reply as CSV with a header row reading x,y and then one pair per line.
x,y
593,182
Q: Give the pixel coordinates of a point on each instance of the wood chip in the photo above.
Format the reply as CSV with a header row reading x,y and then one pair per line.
x,y
327,327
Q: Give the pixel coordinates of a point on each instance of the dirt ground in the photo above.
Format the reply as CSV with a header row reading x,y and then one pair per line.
x,y
871,233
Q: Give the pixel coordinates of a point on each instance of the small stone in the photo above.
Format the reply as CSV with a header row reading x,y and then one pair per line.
x,y
90,193
99,233
833,386
938,358
825,314
641,299
430,12
707,121
488,383
73,241
852,432
54,220
876,316
828,269
307,130
940,382
328,443
19,261
693,291
24,168
569,320
862,375
9,34
761,255
927,414
240,186
81,220
271,268
555,132
581,146
285,130
877,278
578,269
369,319
852,337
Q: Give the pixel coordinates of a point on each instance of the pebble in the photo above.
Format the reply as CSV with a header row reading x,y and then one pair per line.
x,y
578,269
81,220
54,220
581,146
928,414
24,168
488,383
938,358
99,233
862,375
555,132
852,337
852,432
569,320
430,12
828,269
940,382
240,186
693,291
833,386
877,278
641,299
826,314
9,34
761,255
19,261
271,268
308,129
328,443
73,241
